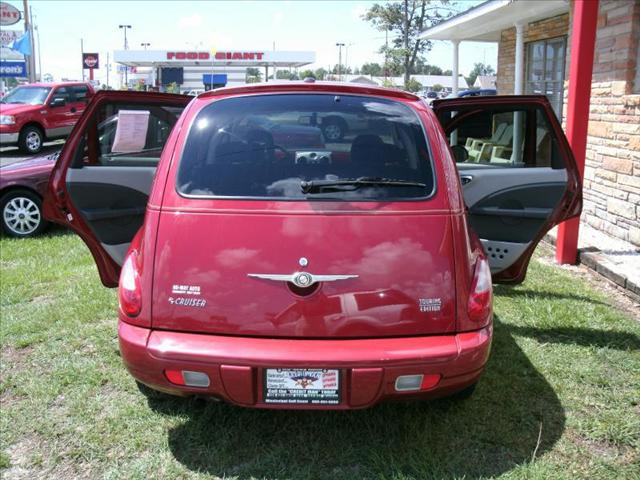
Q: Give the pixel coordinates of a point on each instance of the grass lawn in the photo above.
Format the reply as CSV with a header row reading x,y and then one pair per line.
x,y
560,398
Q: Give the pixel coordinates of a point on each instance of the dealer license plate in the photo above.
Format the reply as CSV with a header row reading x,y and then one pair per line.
x,y
302,386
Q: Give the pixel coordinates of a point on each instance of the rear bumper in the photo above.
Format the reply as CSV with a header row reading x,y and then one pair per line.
x,y
369,367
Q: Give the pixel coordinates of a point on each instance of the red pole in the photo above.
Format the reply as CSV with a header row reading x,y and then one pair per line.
x,y
583,39
91,74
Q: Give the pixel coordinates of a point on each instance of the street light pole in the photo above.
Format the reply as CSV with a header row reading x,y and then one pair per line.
x,y
126,47
339,45
145,45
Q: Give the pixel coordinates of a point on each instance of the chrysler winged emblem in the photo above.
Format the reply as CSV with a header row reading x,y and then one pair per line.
x,y
300,279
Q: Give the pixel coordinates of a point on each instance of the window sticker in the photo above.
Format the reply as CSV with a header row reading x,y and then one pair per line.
x,y
131,132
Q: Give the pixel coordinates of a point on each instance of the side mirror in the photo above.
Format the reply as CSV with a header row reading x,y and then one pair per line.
x,y
58,102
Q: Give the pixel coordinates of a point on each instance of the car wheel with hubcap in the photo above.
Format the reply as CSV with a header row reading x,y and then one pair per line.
x,y
22,214
333,131
31,139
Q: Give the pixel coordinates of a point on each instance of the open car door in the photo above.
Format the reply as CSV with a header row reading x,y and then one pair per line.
x,y
518,174
100,184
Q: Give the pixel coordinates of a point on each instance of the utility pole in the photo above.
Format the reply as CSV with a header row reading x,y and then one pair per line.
x,y
108,68
126,47
28,28
82,56
339,45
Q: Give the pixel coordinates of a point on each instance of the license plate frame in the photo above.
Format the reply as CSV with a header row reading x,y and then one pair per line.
x,y
294,386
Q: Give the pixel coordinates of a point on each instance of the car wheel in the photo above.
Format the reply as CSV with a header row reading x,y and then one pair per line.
x,y
22,214
333,131
31,139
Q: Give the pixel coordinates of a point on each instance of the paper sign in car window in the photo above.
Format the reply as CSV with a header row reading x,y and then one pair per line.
x,y
131,132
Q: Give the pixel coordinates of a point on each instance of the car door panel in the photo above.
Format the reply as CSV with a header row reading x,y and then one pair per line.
x,y
512,203
102,199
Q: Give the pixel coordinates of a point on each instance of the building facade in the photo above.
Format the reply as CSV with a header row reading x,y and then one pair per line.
x,y
612,164
543,29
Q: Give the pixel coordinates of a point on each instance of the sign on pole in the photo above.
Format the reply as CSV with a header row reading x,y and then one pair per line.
x,y
90,61
13,69
9,15
7,37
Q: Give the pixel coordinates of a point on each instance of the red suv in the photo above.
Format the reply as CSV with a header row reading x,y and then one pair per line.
x,y
283,272
31,114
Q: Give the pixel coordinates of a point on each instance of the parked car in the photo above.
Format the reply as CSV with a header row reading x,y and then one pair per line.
x,y
31,114
22,187
251,277
474,92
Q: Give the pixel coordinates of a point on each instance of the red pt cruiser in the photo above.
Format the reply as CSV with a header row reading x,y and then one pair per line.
x,y
264,264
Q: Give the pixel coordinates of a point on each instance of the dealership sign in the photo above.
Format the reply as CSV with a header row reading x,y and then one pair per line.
x,y
90,60
7,37
13,69
217,55
9,14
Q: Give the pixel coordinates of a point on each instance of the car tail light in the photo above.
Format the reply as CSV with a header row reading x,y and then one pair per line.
x,y
479,306
414,383
129,291
187,378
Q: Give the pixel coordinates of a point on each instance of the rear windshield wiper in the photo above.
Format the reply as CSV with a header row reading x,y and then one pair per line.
x,y
348,184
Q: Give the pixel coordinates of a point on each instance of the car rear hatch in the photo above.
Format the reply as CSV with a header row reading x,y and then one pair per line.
x,y
402,264
243,216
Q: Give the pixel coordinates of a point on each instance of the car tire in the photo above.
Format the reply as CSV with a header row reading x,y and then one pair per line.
x,y
21,214
333,130
465,393
31,139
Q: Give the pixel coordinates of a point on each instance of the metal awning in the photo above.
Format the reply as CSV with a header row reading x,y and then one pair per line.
x,y
485,22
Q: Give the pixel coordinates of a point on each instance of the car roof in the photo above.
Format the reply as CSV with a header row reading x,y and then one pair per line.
x,y
311,87
53,84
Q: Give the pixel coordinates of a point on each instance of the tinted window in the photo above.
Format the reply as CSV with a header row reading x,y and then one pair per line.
x,y
80,92
266,146
61,92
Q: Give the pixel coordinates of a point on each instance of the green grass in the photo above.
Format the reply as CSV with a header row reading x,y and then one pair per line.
x,y
560,398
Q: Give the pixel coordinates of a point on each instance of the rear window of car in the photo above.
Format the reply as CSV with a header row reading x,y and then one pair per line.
x,y
342,147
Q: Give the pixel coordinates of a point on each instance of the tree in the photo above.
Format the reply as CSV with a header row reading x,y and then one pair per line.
x,y
286,75
447,73
373,69
436,87
479,69
343,69
320,73
413,85
253,75
307,74
405,20
426,69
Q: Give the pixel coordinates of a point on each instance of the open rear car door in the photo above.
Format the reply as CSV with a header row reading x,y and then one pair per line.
x,y
100,184
518,174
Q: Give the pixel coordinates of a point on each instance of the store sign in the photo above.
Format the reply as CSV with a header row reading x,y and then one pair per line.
x,y
13,69
218,56
9,14
7,37
90,60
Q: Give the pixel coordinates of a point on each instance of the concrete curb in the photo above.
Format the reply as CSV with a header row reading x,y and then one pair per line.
x,y
597,261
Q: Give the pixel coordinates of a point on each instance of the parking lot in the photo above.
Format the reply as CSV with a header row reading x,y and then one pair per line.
x,y
9,155
559,398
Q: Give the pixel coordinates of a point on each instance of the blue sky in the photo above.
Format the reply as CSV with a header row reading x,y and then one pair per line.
x,y
291,25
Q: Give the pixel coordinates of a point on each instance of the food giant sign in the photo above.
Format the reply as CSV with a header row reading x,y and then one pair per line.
x,y
221,56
